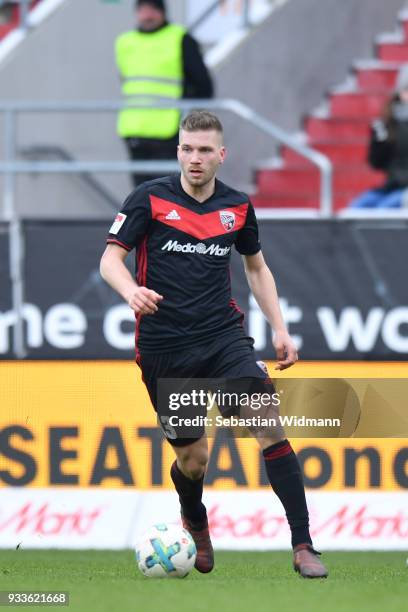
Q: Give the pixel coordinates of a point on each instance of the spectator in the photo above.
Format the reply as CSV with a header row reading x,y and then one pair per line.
x,y
389,151
157,59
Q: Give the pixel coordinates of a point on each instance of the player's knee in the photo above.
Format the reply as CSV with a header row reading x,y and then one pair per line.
x,y
194,464
197,471
267,441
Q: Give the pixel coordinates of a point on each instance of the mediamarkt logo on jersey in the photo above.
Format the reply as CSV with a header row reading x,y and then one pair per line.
x,y
200,248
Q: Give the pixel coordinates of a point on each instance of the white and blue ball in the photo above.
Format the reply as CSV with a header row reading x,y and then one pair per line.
x,y
166,551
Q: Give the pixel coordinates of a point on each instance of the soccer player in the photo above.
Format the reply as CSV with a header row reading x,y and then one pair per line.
x,y
183,228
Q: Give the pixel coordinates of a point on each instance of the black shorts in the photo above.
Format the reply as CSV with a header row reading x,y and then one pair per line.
x,y
231,358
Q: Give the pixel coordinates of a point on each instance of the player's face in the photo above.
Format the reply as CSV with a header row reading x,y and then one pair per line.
x,y
199,155
149,18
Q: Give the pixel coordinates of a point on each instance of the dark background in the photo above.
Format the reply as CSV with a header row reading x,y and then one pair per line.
x,y
334,264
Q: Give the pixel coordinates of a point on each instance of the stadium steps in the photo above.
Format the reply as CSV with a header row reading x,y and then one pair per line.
x,y
339,129
348,177
337,152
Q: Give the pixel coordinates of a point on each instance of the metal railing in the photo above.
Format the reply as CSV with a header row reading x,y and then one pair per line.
x,y
11,167
212,8
93,186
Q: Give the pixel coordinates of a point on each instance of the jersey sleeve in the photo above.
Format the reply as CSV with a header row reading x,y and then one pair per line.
x,y
132,222
247,241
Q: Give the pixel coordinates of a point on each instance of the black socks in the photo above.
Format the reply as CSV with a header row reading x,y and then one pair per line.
x,y
190,493
286,479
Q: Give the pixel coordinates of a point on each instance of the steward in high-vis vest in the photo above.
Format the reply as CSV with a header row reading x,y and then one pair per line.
x,y
151,64
157,59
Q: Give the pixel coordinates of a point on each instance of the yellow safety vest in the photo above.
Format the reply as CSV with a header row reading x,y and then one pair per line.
x,y
150,64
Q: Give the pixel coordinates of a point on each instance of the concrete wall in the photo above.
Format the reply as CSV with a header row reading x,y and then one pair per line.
x,y
282,70
70,57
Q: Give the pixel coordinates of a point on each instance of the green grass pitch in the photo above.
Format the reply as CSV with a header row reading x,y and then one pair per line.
x,y
241,582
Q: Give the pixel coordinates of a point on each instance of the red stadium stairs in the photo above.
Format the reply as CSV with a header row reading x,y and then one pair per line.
x,y
340,130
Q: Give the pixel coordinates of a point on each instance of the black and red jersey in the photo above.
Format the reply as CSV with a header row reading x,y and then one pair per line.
x,y
183,250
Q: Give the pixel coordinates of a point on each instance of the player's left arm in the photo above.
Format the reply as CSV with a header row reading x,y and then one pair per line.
x,y
198,82
263,287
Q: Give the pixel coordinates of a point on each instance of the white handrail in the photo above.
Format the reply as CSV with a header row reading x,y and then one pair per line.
x,y
236,107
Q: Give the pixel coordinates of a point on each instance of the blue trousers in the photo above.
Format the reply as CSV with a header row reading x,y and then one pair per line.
x,y
378,198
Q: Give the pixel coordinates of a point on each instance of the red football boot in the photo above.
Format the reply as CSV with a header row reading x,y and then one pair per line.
x,y
307,562
201,536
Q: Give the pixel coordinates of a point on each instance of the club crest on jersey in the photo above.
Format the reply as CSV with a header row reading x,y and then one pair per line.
x,y
227,220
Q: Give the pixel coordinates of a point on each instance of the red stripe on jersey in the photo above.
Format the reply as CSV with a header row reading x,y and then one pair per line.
x,y
141,254
121,244
234,306
198,226
232,303
141,257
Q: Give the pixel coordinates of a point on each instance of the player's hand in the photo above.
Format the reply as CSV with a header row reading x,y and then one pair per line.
x,y
144,301
285,348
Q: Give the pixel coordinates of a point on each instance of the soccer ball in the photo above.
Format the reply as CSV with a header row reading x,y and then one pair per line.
x,y
166,551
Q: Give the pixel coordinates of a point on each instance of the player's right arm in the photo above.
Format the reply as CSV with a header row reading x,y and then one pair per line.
x,y
113,270
128,230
